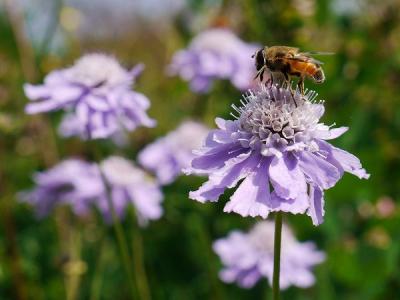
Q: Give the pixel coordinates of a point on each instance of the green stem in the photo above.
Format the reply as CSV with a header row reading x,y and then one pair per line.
x,y
72,270
140,269
277,255
122,243
96,284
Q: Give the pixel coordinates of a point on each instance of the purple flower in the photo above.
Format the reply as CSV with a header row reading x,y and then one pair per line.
x,y
130,185
249,256
96,93
215,54
168,155
72,182
85,185
278,148
70,126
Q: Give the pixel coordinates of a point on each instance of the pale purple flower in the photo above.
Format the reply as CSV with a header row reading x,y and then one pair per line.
x,y
278,148
96,93
72,182
127,185
70,126
84,185
247,257
167,156
215,54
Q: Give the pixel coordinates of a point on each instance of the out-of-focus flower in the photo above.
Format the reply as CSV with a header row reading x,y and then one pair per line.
x,y
128,184
168,155
72,182
378,237
84,185
275,142
96,93
365,209
249,256
70,127
385,207
215,54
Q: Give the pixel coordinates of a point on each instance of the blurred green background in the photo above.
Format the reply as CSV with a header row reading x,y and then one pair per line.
x,y
64,257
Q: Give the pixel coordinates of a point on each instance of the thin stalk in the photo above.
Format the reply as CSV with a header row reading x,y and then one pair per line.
x,y
277,256
140,269
95,289
75,267
51,28
121,240
15,15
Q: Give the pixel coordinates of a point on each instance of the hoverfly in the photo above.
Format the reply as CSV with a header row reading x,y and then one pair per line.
x,y
289,61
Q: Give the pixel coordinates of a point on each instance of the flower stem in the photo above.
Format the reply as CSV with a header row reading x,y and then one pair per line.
x,y
277,256
96,283
122,243
140,270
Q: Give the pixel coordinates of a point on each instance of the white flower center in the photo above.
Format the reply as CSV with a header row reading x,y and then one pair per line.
x,y
188,136
261,236
95,70
120,171
274,115
220,41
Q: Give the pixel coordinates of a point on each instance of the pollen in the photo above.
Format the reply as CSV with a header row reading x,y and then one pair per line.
x,y
276,115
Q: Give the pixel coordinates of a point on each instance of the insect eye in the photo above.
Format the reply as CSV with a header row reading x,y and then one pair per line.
x,y
259,60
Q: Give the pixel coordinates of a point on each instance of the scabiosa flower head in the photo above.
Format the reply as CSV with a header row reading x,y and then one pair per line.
x,y
130,185
215,54
168,155
249,256
96,93
72,182
277,146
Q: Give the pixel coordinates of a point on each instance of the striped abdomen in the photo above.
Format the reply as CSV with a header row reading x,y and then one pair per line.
x,y
307,69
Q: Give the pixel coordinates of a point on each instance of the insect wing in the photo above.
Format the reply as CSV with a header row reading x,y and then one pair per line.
x,y
305,59
317,53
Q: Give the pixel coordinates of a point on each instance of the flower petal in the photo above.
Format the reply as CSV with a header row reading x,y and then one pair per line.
x,y
97,102
216,157
220,123
324,132
35,92
252,197
316,210
286,177
235,169
320,171
336,132
136,71
42,106
350,163
147,199
297,205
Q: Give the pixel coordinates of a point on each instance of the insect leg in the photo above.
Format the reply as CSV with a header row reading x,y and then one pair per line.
x,y
300,85
260,73
289,82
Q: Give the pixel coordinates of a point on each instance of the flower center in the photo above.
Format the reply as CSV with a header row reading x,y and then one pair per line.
x,y
217,40
96,70
187,136
120,171
262,237
273,114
